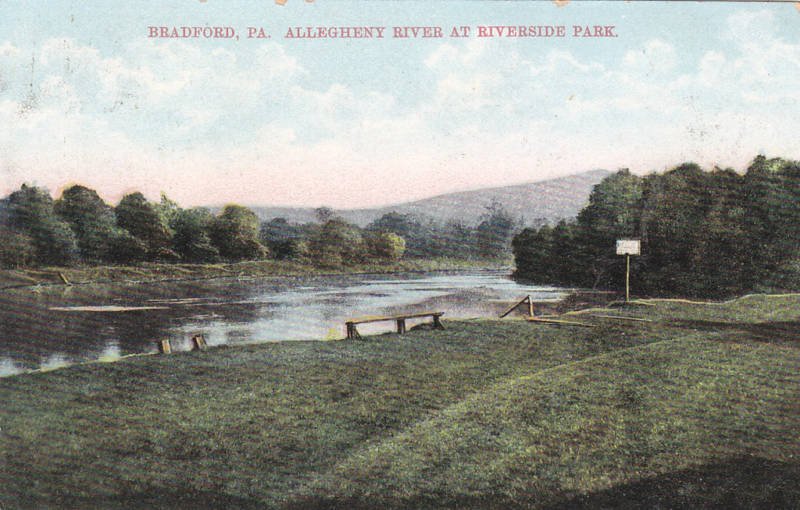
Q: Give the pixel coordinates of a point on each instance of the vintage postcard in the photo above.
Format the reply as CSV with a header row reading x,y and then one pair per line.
x,y
312,254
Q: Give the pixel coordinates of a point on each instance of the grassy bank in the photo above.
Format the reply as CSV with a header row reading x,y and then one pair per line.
x,y
11,278
700,406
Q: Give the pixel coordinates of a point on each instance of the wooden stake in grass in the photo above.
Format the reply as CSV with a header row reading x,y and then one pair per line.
x,y
199,343
526,299
164,347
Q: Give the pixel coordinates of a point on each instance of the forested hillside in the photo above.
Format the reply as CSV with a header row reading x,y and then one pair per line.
x,y
79,228
704,233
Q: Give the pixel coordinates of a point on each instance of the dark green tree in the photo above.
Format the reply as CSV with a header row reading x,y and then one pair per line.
x,y
567,259
386,246
168,210
337,243
613,213
534,254
127,249
16,249
494,233
30,211
708,234
141,219
324,214
675,207
91,219
771,214
235,234
192,239
720,255
456,239
420,236
284,240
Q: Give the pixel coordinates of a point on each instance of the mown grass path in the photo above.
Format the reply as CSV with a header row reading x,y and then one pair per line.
x,y
700,407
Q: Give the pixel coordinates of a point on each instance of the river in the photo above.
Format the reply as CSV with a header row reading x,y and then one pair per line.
x,y
53,326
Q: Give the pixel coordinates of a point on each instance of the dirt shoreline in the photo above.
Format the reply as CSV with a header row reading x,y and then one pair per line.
x,y
14,279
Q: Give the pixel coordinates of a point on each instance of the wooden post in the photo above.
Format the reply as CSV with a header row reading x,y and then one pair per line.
x,y
401,326
513,307
352,332
627,278
164,347
199,342
437,323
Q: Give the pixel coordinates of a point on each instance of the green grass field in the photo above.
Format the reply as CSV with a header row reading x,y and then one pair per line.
x,y
698,408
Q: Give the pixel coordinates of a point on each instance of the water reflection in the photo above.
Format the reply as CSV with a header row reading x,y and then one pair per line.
x,y
53,326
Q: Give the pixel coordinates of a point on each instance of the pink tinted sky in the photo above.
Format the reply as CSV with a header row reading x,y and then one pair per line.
x,y
86,97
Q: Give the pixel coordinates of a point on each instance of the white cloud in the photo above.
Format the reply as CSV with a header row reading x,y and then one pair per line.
x,y
447,55
748,28
656,56
160,114
711,68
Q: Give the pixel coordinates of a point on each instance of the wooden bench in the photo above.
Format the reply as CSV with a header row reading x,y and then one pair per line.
x,y
352,332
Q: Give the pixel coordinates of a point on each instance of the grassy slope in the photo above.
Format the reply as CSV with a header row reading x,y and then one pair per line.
x,y
700,407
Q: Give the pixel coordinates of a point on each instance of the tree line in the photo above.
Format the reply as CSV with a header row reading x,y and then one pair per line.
x,y
81,228
703,233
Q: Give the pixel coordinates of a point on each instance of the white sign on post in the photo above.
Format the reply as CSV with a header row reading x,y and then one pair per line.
x,y
628,247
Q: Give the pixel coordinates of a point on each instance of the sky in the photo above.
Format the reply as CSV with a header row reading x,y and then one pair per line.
x,y
87,97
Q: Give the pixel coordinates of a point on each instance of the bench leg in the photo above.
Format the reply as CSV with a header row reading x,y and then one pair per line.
x,y
401,326
352,332
437,323
199,343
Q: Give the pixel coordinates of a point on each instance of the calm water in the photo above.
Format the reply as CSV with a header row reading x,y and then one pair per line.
x,y
54,326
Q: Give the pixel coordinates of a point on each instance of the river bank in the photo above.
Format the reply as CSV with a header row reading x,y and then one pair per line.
x,y
692,405
155,272
54,325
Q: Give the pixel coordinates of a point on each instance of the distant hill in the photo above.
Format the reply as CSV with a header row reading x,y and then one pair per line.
x,y
549,200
